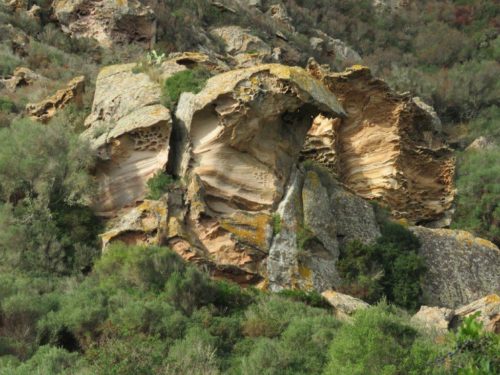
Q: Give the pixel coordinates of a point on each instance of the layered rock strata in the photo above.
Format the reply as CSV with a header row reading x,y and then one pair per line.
x,y
388,147
241,139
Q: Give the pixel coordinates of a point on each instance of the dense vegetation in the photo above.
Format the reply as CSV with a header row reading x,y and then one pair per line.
x,y
144,311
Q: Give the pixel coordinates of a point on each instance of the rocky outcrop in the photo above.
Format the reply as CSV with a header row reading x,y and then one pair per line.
x,y
142,225
21,77
440,319
480,144
241,138
316,217
334,51
46,109
247,49
344,305
388,148
109,22
460,267
130,132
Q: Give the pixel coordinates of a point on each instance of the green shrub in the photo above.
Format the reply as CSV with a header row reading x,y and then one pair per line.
x,y
380,342
158,185
6,105
276,219
313,298
478,200
191,80
391,267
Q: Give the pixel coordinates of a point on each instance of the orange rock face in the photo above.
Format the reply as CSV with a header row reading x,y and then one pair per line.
x,y
387,148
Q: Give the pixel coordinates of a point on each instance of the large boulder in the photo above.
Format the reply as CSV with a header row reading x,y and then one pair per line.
x,y
460,267
130,131
240,141
388,148
345,306
109,22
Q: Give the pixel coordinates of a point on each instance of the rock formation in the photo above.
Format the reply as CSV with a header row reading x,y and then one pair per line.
x,y
344,305
254,121
21,77
130,131
460,267
441,319
388,148
47,108
109,22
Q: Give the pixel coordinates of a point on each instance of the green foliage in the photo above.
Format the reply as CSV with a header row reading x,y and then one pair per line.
x,y
390,267
6,105
158,185
313,298
44,187
478,183
381,341
191,80
276,218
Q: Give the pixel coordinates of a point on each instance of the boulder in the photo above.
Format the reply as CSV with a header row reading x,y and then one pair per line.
x,y
460,267
46,109
240,139
388,148
336,51
480,144
247,49
109,22
21,77
130,132
434,318
344,305
488,310
145,224
279,13
441,319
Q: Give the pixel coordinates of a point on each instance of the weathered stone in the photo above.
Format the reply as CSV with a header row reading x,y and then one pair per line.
x,y
130,132
338,52
280,14
21,77
145,224
434,318
246,48
441,319
460,267
482,143
489,312
388,148
109,22
46,109
257,118
344,305
317,216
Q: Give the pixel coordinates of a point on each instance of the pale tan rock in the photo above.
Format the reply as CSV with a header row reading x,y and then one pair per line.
x,y
279,13
388,149
130,133
480,144
145,224
109,22
344,305
46,109
460,267
336,51
241,141
434,318
489,312
21,77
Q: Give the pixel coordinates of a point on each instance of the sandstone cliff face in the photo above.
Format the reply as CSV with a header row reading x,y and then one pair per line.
x,y
387,148
242,137
109,22
130,132
460,267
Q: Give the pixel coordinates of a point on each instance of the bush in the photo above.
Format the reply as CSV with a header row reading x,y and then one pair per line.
x,y
380,342
158,185
191,80
478,201
390,267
